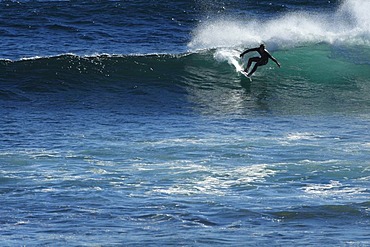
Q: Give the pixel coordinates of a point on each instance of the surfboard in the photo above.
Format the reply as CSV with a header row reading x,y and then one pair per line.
x,y
245,74
238,67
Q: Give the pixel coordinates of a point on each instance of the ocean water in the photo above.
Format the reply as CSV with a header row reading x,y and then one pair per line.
x,y
125,123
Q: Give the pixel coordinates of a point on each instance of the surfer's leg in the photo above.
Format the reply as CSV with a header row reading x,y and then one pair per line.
x,y
250,61
259,63
253,70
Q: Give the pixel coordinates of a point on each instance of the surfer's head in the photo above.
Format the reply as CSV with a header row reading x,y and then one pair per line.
x,y
262,46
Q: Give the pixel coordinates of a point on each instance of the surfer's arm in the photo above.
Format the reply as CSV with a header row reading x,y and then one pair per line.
x,y
249,50
274,59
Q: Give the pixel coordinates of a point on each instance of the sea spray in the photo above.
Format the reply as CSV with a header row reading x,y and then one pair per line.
x,y
350,24
231,56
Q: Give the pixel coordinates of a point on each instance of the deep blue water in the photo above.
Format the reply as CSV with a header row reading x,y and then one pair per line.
x,y
125,123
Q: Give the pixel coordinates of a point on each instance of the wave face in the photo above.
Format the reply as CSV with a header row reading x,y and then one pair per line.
x,y
325,55
316,78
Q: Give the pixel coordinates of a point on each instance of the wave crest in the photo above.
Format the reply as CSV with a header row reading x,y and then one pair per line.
x,y
350,23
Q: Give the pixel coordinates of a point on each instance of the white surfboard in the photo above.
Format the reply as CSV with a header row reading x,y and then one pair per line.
x,y
246,74
239,68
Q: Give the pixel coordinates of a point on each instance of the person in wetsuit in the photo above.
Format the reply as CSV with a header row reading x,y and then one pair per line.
x,y
260,61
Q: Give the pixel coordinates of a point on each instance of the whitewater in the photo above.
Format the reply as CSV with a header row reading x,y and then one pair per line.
x,y
126,123
348,25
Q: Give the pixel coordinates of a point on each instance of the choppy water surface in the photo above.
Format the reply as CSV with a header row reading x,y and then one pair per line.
x,y
125,123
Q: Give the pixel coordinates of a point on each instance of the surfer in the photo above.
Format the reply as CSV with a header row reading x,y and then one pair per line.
x,y
260,61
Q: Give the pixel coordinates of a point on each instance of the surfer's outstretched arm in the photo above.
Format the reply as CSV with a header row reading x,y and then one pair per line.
x,y
249,50
274,59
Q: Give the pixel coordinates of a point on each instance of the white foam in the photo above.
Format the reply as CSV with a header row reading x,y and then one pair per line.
x,y
231,56
301,136
349,23
333,188
218,180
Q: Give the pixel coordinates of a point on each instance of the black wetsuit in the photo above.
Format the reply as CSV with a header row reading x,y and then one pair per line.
x,y
262,60
264,56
